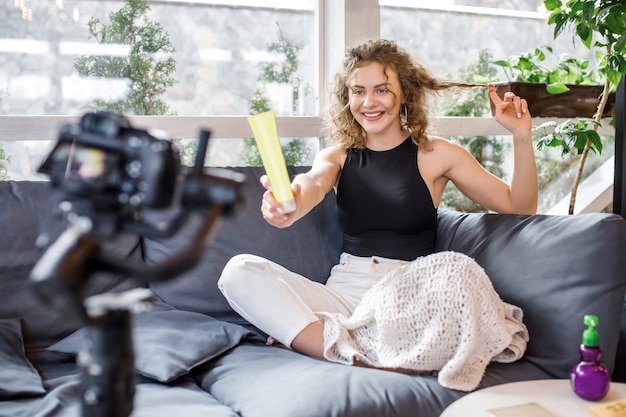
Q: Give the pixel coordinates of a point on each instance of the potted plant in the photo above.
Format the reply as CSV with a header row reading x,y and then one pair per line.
x,y
600,24
570,89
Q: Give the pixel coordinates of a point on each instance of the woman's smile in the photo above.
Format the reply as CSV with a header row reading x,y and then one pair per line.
x,y
373,116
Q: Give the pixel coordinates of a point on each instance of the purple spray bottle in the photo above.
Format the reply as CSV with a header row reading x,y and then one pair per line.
x,y
590,379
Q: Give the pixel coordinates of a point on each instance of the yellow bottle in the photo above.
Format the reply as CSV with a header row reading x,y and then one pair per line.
x,y
267,140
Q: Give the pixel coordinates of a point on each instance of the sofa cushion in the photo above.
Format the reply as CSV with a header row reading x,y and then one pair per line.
x,y
556,268
18,377
310,247
169,343
303,386
28,211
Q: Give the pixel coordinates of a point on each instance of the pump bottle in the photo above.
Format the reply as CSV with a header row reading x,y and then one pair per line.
x,y
590,379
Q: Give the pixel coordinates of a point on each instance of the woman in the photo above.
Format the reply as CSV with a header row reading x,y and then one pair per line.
x,y
389,177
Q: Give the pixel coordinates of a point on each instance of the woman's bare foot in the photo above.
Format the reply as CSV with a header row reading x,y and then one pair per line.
x,y
273,342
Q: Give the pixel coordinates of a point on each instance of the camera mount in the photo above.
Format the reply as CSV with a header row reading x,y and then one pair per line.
x,y
108,173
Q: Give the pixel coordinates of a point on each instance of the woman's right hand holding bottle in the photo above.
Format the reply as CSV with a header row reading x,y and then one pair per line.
x,y
272,210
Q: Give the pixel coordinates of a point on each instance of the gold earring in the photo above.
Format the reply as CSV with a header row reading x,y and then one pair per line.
x,y
404,117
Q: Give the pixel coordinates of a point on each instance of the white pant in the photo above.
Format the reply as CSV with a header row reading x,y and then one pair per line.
x,y
282,303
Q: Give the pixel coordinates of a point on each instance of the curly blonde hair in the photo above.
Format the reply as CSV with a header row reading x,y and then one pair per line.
x,y
417,85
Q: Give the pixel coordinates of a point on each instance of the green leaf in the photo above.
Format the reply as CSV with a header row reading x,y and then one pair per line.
x,y
620,46
502,63
615,19
560,22
618,63
589,10
596,141
577,7
557,88
524,63
556,142
580,141
615,69
552,5
540,55
585,34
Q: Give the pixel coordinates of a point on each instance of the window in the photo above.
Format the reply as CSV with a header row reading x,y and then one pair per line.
x,y
219,50
230,57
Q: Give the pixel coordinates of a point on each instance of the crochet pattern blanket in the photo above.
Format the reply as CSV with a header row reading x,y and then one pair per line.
x,y
437,313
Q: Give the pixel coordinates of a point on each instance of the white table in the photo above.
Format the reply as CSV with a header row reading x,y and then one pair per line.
x,y
555,395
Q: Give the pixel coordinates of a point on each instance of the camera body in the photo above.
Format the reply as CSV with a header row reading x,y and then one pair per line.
x,y
105,162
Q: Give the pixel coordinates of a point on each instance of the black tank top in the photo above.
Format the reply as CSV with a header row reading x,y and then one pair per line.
x,y
384,206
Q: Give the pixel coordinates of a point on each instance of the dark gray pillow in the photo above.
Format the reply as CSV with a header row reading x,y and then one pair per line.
x,y
310,247
28,210
168,344
557,269
18,377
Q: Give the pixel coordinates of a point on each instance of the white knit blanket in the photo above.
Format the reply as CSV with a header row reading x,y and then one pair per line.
x,y
437,313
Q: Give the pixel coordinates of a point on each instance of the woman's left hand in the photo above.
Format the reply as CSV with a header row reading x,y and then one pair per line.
x,y
511,112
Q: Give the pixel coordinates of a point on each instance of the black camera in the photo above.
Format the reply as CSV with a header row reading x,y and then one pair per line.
x,y
105,160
